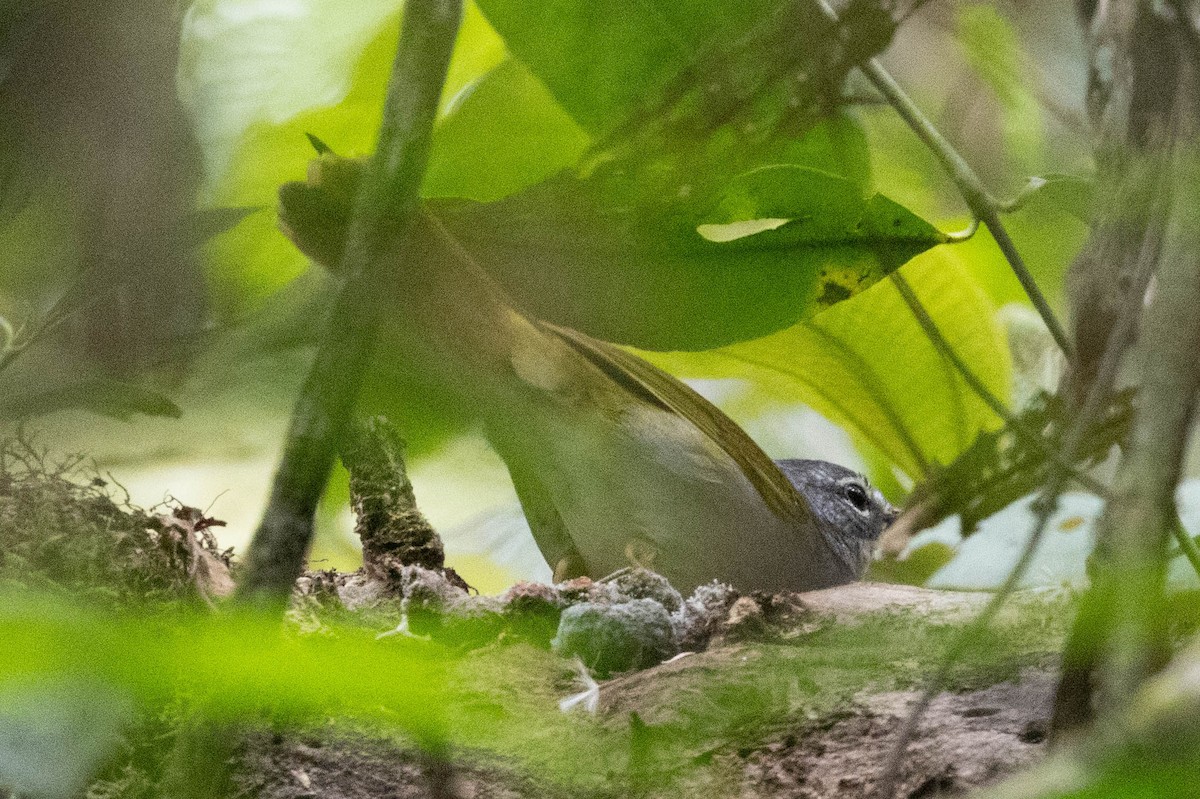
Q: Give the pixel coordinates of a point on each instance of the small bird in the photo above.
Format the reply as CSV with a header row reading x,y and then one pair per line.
x,y
615,461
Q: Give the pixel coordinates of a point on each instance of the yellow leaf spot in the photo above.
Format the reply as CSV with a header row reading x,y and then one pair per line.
x,y
1072,523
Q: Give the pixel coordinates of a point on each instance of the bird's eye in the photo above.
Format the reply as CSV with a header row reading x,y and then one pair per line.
x,y
857,496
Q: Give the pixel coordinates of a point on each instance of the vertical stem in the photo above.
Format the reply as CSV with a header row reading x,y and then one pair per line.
x,y
1136,525
384,210
1098,393
975,383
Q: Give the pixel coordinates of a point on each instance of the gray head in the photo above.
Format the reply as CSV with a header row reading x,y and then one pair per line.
x,y
852,514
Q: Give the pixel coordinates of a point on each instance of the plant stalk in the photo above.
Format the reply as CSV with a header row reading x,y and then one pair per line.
x,y
973,381
384,210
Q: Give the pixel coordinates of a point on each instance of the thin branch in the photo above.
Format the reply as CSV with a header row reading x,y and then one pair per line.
x,y
982,205
1044,507
890,776
1186,544
384,210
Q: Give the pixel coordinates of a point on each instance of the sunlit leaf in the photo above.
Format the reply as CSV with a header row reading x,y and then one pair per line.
x,y
262,63
503,134
867,366
647,276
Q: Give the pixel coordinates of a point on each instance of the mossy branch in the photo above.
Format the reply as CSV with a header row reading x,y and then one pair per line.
x,y
392,529
384,209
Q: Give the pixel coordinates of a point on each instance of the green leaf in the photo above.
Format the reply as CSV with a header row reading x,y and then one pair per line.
x,y
868,28
603,58
1071,194
238,665
695,93
242,68
506,134
607,60
647,276
867,366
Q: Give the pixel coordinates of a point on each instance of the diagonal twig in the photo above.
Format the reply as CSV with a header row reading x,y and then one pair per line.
x,y
982,205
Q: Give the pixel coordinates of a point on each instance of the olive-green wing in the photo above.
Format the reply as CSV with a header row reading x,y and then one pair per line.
x,y
650,382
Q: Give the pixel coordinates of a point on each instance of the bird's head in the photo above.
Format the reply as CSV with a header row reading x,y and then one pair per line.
x,y
851,513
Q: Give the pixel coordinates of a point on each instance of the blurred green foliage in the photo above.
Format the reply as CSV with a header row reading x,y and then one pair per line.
x,y
500,700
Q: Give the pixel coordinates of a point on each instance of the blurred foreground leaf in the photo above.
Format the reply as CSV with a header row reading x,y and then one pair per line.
x,y
239,664
993,49
105,396
255,139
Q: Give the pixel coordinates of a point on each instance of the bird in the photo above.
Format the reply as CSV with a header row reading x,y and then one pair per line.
x,y
615,461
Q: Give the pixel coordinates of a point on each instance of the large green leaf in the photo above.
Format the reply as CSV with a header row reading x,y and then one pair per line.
x,y
867,366
603,58
647,276
682,96
696,117
505,134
